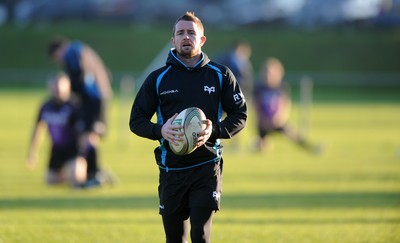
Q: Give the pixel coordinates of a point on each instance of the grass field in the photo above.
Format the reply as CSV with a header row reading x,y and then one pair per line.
x,y
130,47
351,193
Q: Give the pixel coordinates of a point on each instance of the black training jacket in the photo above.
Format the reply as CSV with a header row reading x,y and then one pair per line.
x,y
210,86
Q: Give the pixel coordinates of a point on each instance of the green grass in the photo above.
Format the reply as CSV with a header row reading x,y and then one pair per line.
x,y
351,193
130,47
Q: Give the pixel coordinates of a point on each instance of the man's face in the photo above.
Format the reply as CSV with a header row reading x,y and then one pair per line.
x,y
61,89
274,75
188,39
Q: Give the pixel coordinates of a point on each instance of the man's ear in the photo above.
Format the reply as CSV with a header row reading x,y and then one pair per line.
x,y
203,40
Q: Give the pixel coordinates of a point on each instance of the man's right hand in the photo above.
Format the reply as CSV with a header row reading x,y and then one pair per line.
x,y
172,133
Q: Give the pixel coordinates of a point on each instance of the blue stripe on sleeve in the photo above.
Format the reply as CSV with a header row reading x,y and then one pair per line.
x,y
160,119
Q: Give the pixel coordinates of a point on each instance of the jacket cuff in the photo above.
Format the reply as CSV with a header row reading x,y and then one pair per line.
x,y
215,134
157,131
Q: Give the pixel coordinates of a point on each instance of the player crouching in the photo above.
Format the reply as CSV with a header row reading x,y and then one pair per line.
x,y
59,116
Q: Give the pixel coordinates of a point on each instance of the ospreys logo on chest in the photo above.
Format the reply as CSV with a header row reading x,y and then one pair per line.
x,y
209,89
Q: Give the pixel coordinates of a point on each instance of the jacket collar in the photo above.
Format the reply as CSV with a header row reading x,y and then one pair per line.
x,y
173,59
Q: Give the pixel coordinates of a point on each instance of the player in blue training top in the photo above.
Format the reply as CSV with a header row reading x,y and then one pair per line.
x,y
190,185
59,116
91,90
237,59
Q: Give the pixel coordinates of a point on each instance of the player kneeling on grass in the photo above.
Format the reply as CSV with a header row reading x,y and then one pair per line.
x,y
59,116
273,106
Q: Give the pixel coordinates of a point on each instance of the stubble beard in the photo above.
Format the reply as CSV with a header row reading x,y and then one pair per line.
x,y
187,53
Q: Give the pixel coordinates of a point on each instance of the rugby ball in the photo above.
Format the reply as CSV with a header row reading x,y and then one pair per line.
x,y
192,121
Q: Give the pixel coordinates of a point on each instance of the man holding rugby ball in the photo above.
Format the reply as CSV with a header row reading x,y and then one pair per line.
x,y
190,184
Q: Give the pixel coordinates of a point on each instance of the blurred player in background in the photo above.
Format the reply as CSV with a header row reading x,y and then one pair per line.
x,y
237,59
273,104
91,92
59,116
190,185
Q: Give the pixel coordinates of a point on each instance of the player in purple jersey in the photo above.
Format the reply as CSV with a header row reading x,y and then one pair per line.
x,y
59,116
91,89
273,106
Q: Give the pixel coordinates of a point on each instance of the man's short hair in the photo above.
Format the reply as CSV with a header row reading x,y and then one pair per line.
x,y
56,44
189,16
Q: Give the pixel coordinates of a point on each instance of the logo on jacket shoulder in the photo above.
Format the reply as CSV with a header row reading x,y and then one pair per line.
x,y
216,195
209,89
172,91
238,97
